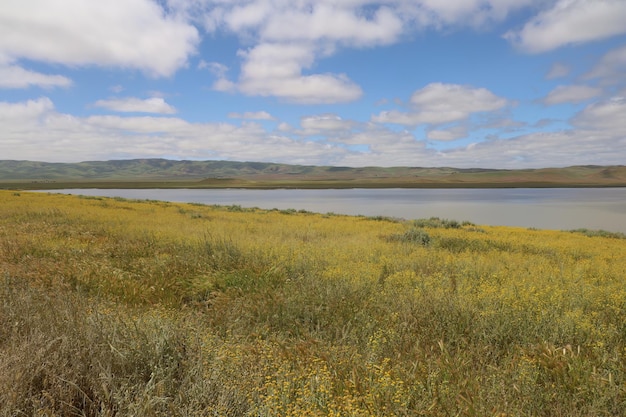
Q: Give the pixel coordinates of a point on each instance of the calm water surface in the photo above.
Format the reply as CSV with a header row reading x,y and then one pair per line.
x,y
553,208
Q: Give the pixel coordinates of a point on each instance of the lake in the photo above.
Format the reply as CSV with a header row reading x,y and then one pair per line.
x,y
543,208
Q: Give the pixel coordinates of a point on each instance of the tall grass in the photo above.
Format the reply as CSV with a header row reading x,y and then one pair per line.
x,y
119,307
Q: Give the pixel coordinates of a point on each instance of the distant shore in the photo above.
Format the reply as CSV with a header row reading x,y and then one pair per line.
x,y
161,173
325,184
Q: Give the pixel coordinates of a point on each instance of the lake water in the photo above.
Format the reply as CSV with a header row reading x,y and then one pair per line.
x,y
543,208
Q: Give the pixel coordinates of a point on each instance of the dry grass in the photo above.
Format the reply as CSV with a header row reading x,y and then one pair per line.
x,y
117,307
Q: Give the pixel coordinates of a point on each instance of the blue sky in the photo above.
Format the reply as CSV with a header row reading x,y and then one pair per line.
x,y
461,83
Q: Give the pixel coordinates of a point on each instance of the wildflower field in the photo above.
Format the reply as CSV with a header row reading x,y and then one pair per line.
x,y
114,307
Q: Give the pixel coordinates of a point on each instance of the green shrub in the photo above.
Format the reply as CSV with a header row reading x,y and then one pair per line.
x,y
599,233
413,235
436,222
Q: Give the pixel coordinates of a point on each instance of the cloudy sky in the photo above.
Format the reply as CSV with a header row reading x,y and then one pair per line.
x,y
461,83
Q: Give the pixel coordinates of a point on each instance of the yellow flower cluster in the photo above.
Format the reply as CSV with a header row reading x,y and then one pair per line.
x,y
295,314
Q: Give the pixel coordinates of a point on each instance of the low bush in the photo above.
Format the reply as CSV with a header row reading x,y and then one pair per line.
x,y
413,235
436,222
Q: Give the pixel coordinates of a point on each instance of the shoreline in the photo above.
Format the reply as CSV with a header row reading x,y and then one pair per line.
x,y
274,185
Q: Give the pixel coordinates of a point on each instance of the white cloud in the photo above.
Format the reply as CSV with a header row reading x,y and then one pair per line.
x,y
276,70
539,150
452,98
224,85
249,115
336,23
570,22
145,125
473,13
446,135
217,69
116,89
325,123
606,116
336,18
13,76
34,130
288,37
31,110
558,70
284,127
611,67
137,105
121,33
439,103
249,15
571,94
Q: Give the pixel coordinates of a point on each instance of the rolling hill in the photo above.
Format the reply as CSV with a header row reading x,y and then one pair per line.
x,y
141,173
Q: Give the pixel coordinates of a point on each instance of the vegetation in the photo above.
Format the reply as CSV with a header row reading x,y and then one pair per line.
x,y
112,307
163,173
603,233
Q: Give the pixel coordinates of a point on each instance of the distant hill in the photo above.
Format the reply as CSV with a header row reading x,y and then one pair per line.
x,y
262,174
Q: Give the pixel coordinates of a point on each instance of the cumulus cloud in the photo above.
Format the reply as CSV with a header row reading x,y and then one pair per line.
x,y
31,110
119,33
453,133
271,69
344,20
606,116
219,71
571,94
288,37
439,98
325,123
276,69
439,103
611,67
334,22
570,22
13,76
35,130
539,150
282,43
250,115
472,13
137,105
296,35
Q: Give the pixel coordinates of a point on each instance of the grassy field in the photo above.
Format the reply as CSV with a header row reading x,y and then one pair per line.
x,y
113,307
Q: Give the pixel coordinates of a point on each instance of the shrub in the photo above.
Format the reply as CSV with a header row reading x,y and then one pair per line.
x,y
436,222
599,233
413,235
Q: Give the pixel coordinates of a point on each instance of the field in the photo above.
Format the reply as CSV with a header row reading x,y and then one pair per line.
x,y
122,307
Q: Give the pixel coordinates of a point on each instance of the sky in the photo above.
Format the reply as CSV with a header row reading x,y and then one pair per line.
x,y
426,83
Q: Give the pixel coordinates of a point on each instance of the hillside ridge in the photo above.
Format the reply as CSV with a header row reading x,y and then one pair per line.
x,y
233,173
